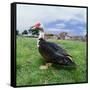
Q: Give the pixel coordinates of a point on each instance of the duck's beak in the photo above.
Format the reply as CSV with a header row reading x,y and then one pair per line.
x,y
33,27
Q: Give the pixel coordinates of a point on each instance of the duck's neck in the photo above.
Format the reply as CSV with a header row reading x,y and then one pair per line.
x,y
41,36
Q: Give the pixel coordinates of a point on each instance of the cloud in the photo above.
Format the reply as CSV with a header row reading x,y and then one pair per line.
x,y
27,15
60,25
57,31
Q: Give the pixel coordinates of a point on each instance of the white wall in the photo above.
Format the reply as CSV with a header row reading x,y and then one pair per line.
x,y
5,45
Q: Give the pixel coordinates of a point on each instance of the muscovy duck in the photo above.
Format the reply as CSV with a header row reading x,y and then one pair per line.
x,y
51,52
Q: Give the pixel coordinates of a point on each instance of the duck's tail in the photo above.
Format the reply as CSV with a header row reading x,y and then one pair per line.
x,y
69,62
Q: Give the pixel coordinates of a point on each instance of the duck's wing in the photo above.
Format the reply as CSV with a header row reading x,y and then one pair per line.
x,y
58,49
51,52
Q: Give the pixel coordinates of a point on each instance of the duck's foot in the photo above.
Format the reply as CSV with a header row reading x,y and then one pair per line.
x,y
45,66
48,64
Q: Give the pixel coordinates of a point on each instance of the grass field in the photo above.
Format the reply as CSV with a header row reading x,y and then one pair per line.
x,y
28,61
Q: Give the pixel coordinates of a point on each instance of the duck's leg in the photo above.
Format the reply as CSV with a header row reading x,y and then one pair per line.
x,y
45,66
48,64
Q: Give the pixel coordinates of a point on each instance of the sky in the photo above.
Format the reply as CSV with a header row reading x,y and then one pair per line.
x,y
54,19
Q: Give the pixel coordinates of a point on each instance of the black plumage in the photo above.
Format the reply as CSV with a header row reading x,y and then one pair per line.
x,y
54,53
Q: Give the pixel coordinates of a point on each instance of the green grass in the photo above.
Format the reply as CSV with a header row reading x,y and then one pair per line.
x,y
28,61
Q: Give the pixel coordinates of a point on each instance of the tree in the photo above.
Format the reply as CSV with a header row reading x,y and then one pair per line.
x,y
25,32
17,32
33,31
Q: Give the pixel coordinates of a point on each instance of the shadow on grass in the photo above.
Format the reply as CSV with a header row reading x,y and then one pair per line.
x,y
59,67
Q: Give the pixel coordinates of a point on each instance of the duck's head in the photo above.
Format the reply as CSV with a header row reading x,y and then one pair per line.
x,y
38,26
